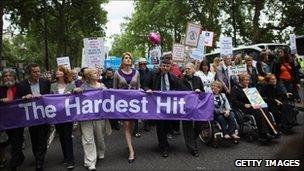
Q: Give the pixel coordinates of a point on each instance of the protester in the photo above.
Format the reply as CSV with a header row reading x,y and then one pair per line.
x,y
222,112
240,100
285,72
223,76
107,80
216,63
237,60
262,66
79,82
191,129
75,72
93,131
7,94
127,78
64,85
144,73
31,88
163,81
277,102
252,71
205,75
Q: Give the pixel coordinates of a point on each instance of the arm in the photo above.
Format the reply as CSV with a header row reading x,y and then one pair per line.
x,y
115,80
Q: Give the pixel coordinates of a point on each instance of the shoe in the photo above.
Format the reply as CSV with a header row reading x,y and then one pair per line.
x,y
235,136
131,160
165,154
194,153
91,168
227,136
169,136
70,165
3,163
39,168
137,135
269,136
100,157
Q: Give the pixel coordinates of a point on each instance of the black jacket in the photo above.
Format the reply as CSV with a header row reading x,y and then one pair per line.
x,y
144,77
108,82
154,82
24,88
184,84
238,97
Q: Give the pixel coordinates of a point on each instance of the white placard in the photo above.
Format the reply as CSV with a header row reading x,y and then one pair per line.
x,y
155,54
192,35
238,69
178,52
293,46
65,61
208,39
94,52
225,46
198,53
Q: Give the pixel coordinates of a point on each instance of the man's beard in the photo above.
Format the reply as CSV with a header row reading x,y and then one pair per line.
x,y
9,83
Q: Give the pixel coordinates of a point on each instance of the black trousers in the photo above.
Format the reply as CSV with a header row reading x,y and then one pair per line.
x,y
191,130
65,136
162,129
39,136
16,139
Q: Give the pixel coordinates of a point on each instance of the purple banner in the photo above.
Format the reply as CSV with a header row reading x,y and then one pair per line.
x,y
111,104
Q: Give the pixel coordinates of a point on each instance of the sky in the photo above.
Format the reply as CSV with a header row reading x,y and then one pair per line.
x,y
117,10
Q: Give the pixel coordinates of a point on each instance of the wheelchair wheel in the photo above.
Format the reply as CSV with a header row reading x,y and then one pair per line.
x,y
206,133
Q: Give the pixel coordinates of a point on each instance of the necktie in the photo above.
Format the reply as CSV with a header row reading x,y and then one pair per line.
x,y
164,88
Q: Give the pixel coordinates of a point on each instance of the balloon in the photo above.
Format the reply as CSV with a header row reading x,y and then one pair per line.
x,y
154,38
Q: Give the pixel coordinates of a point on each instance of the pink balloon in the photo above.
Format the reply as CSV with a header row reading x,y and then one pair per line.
x,y
154,38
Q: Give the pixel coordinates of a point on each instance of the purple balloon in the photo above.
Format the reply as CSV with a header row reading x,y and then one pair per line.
x,y
154,38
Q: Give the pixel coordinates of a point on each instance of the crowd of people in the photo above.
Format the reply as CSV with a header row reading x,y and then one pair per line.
x,y
278,83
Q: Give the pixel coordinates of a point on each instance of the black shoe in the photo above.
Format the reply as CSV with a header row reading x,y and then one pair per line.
x,y
70,165
194,153
137,135
269,136
131,160
165,154
39,168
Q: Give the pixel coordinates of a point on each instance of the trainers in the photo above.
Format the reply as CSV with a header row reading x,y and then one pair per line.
x,y
70,165
92,168
227,136
169,136
235,136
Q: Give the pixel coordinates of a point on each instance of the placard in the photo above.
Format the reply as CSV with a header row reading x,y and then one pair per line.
x,y
255,98
94,52
155,54
178,52
293,46
238,69
192,34
208,38
225,46
65,61
199,52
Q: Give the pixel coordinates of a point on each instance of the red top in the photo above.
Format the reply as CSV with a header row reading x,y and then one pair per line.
x,y
285,71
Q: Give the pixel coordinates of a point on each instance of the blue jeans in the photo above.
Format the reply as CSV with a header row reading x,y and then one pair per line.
x,y
227,123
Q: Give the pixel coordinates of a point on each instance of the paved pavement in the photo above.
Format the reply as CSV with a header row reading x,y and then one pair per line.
x,y
149,158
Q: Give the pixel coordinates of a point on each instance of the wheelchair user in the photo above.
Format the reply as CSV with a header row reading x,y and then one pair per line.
x,y
222,112
277,101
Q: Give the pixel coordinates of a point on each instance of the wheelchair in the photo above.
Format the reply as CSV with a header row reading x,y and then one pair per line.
x,y
212,134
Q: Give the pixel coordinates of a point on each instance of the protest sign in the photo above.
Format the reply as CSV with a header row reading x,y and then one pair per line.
x,y
178,52
208,38
94,52
155,54
255,98
199,52
238,69
293,46
225,46
192,34
65,61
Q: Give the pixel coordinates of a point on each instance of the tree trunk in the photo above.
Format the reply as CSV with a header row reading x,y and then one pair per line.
x,y
256,37
61,30
1,27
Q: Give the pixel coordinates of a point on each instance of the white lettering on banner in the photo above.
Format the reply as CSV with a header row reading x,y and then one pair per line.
x,y
77,106
47,111
167,105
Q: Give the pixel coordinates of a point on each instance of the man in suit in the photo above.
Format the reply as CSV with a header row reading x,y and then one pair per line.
x,y
163,81
30,88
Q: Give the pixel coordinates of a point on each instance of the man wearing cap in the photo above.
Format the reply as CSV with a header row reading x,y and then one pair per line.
x,y
162,81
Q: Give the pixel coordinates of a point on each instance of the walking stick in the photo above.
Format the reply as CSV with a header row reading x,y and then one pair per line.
x,y
268,121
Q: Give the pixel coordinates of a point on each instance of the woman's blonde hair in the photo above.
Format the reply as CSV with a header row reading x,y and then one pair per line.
x,y
243,76
268,77
217,83
89,72
123,56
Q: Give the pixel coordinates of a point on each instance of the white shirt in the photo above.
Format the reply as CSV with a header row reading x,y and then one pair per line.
x,y
206,79
35,88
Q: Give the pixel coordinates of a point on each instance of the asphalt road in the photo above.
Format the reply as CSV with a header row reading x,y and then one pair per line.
x,y
149,158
